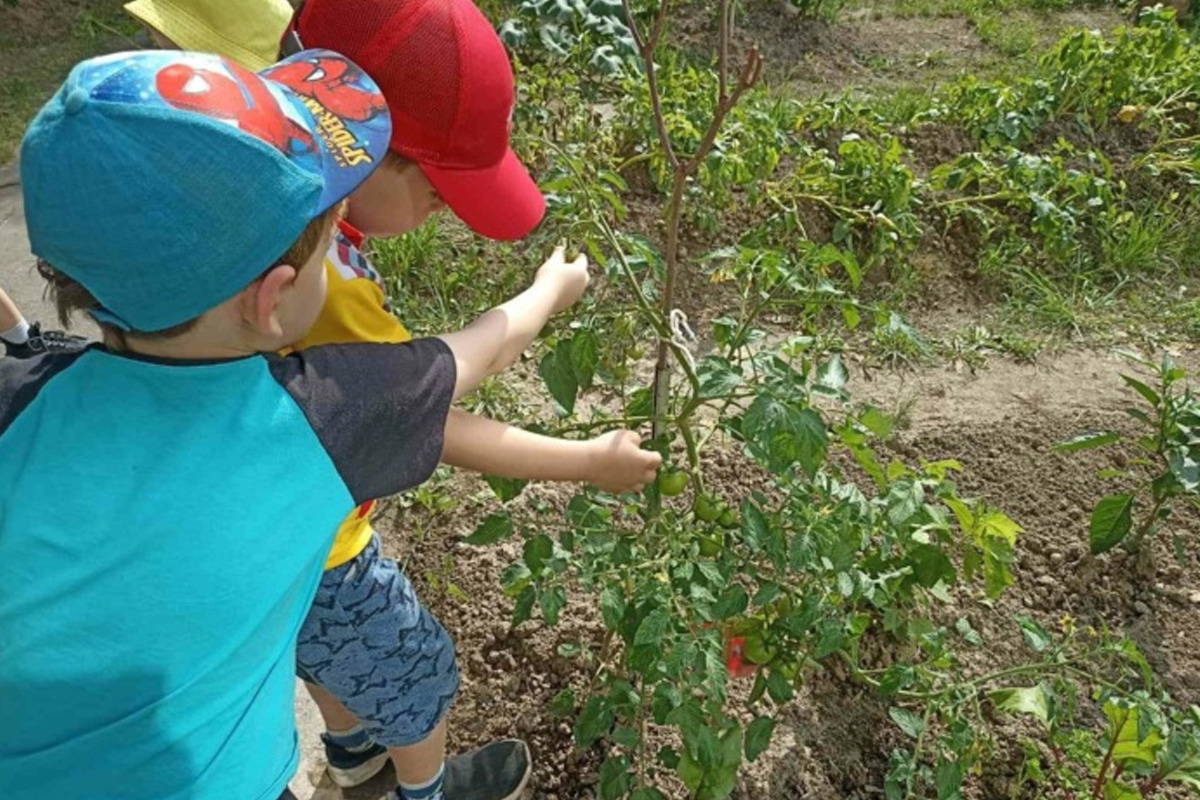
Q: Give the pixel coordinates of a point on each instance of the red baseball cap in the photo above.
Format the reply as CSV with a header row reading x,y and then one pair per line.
x,y
449,85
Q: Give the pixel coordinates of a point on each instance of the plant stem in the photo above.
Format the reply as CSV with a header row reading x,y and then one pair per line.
x,y
981,198
916,755
646,48
1144,528
602,663
662,371
680,172
1098,787
1151,786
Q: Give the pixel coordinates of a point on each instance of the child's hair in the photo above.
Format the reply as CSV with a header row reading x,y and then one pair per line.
x,y
395,162
71,298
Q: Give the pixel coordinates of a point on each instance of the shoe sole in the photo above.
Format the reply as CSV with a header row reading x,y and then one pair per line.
x,y
349,778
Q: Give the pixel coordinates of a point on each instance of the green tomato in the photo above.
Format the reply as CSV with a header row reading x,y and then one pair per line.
x,y
756,651
729,519
672,482
707,508
711,546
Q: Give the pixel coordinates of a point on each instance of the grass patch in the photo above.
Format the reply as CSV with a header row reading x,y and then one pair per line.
x,y
440,277
39,43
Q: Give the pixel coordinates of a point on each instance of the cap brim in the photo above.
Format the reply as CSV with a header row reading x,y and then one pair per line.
x,y
188,33
343,113
500,202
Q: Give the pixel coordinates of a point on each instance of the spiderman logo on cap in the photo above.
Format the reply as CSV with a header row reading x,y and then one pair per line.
x,y
329,87
241,99
325,85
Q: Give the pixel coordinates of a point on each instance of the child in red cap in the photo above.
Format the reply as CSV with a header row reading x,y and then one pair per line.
x,y
450,90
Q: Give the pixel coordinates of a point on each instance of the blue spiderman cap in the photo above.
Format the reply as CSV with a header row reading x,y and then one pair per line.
x,y
166,182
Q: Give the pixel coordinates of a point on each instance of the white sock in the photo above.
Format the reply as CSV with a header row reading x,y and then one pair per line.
x,y
17,334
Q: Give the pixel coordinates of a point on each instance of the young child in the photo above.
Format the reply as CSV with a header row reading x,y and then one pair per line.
x,y
149,613
450,90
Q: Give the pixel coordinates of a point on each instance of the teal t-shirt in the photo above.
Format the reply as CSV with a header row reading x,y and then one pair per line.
x,y
163,527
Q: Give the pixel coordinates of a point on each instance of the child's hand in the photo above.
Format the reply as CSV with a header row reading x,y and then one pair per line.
x,y
619,464
567,278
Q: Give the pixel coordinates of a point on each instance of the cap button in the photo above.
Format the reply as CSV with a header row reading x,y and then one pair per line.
x,y
76,100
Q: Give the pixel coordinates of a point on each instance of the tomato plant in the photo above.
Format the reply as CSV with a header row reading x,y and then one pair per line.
x,y
698,585
1167,468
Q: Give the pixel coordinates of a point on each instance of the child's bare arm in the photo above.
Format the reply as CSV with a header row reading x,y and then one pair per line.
x,y
614,462
495,340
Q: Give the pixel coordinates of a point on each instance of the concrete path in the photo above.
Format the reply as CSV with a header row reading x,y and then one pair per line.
x,y
21,281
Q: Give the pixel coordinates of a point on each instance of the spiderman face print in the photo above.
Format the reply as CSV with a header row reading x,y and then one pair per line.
x,y
235,96
316,108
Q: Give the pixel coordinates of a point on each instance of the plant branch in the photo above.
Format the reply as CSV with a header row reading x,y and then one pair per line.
x,y
751,71
723,58
602,660
647,47
681,172
916,755
1150,786
1098,786
1144,528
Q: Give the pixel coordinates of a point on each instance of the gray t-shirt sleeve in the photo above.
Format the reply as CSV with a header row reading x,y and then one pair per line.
x,y
378,409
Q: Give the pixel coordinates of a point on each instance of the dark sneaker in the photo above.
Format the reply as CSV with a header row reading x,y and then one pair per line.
x,y
40,341
350,768
496,771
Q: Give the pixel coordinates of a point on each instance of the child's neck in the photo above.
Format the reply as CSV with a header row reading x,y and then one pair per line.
x,y
199,344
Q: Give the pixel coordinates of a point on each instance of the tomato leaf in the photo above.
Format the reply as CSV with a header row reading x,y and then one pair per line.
x,y
1112,520
1017,700
912,724
558,372
496,528
585,355
1086,441
758,736
505,489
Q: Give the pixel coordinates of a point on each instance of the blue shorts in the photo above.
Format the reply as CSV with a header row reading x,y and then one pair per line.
x,y
370,643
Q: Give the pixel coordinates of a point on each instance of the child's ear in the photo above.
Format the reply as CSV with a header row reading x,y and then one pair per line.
x,y
263,297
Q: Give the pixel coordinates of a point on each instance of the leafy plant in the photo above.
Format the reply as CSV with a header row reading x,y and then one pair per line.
x,y
594,34
1146,745
1168,468
696,589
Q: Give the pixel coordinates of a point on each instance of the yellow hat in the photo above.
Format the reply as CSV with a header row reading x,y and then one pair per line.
x,y
245,31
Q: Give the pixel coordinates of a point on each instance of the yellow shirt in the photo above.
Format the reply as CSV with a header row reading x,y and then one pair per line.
x,y
355,310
